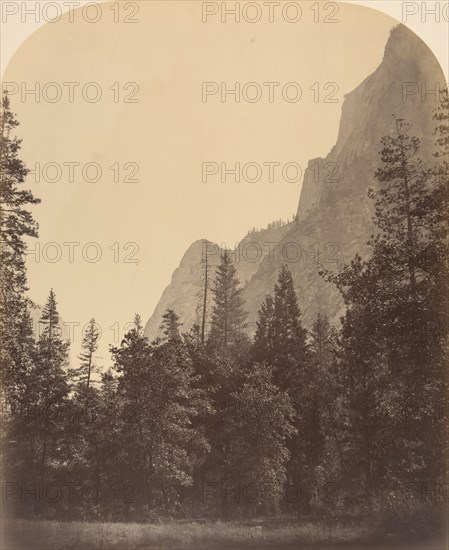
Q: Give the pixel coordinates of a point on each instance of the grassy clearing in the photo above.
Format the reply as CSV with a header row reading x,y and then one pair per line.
x,y
188,534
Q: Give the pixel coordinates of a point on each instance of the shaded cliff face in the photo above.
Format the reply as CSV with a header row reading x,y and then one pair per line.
x,y
334,213
398,87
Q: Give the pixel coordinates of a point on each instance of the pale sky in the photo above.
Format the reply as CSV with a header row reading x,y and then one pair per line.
x,y
168,133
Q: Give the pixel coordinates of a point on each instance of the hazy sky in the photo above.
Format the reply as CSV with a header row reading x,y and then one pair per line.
x,y
168,133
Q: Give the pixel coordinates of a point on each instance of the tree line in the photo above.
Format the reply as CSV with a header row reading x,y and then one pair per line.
x,y
217,423
274,224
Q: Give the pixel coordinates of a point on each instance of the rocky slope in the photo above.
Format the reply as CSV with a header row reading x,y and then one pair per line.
x,y
334,213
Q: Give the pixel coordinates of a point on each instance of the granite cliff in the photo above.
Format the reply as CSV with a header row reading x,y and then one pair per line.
x,y
334,217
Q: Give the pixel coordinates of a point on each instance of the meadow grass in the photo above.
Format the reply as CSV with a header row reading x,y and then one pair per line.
x,y
188,534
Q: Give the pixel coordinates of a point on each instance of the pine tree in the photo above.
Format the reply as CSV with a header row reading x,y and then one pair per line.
x,y
23,354
286,312
87,413
48,397
259,426
19,412
280,338
170,326
83,374
280,343
17,346
158,405
438,253
104,459
320,440
264,345
50,320
219,367
204,298
409,220
50,369
52,351
323,371
228,314
131,362
15,223
438,264
403,201
391,355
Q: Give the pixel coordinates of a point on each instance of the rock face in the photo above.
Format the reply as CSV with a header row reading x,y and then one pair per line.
x,y
334,218
183,293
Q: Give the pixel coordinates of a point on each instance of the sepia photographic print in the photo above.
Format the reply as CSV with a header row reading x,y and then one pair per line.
x,y
224,268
